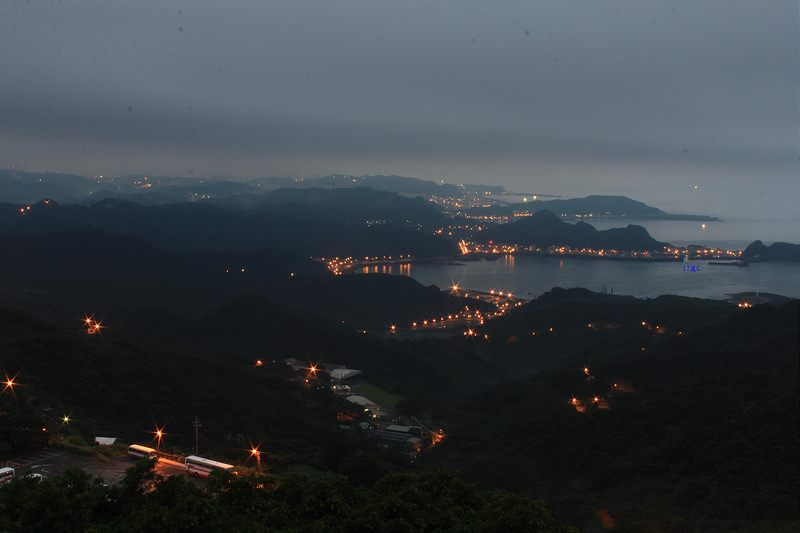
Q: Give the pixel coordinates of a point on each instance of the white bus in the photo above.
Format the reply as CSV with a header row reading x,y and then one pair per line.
x,y
134,450
201,467
6,474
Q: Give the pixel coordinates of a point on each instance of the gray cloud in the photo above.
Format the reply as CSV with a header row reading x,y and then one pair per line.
x,y
516,92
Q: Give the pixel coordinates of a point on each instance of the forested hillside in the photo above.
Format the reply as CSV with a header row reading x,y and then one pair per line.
x,y
664,429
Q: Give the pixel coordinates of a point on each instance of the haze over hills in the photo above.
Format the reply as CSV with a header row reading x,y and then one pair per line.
x,y
26,188
22,187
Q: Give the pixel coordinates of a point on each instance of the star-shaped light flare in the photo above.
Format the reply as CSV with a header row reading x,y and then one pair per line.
x,y
10,384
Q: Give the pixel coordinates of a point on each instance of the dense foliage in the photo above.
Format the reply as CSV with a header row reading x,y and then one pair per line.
x,y
146,502
652,429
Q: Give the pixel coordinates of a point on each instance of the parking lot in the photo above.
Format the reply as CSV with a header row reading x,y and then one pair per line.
x,y
52,462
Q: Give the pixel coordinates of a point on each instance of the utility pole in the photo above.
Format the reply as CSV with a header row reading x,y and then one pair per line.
x,y
197,427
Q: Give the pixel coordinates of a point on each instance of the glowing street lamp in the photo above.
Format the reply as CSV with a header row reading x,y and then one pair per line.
x,y
65,420
159,435
254,451
9,384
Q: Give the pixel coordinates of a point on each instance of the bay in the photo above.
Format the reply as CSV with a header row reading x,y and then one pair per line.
x,y
530,276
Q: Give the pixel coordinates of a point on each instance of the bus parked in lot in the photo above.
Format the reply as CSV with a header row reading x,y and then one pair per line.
x,y
134,450
6,474
201,467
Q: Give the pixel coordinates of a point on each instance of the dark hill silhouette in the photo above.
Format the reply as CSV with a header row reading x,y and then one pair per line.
x,y
204,227
545,229
372,301
777,251
87,253
602,205
595,205
17,186
396,184
361,204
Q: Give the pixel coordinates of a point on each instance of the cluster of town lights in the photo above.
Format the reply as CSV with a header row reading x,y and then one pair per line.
x,y
341,265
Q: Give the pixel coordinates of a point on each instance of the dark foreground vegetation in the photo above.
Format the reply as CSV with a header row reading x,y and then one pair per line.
x,y
147,502
649,429
694,425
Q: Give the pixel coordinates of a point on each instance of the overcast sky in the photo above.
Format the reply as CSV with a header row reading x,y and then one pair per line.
x,y
562,97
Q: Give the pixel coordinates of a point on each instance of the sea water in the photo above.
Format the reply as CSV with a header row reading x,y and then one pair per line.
x,y
530,276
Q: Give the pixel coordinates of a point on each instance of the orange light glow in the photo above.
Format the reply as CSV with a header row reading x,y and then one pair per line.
x,y
92,326
254,451
159,435
10,384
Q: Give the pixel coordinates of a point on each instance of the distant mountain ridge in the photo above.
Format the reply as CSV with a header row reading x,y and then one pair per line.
x,y
30,187
392,183
601,206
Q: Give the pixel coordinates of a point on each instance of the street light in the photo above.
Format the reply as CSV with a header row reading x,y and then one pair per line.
x,y
254,451
65,420
9,384
159,434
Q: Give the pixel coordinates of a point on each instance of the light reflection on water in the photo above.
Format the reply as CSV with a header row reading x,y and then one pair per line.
x,y
528,276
